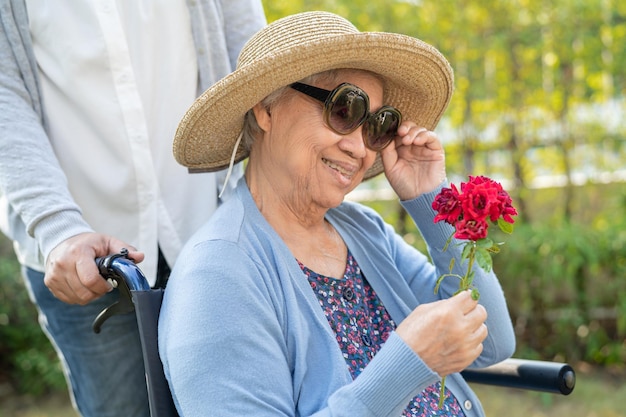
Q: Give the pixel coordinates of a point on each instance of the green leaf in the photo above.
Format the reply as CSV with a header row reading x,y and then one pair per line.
x,y
506,227
483,259
475,294
467,250
494,249
445,247
484,243
438,284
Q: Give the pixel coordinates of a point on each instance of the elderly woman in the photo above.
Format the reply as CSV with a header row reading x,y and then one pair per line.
x,y
292,302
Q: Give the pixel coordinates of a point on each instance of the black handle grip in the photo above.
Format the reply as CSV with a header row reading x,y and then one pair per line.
x,y
545,376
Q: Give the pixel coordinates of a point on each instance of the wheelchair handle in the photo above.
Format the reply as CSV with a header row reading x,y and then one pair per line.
x,y
554,377
124,275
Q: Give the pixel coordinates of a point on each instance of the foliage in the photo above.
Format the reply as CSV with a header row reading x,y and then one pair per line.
x,y
566,296
533,97
28,361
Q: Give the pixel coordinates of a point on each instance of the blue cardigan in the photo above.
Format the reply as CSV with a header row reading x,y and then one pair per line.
x,y
242,333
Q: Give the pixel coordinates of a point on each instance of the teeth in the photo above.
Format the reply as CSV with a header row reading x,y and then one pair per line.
x,y
336,167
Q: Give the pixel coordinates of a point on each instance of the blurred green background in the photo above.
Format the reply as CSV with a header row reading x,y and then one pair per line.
x,y
539,106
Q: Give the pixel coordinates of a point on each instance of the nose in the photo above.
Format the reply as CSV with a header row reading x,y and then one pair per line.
x,y
354,143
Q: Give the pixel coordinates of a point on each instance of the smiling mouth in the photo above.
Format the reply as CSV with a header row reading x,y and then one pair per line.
x,y
342,170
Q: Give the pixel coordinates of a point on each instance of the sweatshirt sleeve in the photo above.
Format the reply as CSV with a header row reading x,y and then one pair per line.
x,y
242,19
31,180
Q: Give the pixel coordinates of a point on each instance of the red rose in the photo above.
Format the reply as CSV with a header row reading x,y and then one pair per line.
x,y
471,229
478,198
481,200
506,209
448,205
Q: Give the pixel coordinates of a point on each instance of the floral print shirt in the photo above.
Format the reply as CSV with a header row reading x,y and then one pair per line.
x,y
362,325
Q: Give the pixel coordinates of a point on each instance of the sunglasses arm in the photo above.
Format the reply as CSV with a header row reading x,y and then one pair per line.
x,y
312,91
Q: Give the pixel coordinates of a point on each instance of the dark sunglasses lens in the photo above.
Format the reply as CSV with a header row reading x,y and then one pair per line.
x,y
381,128
347,110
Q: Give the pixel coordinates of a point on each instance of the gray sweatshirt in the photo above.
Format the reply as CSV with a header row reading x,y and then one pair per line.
x,y
37,210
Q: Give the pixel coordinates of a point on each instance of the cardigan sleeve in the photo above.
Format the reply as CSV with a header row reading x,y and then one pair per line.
x,y
500,343
227,346
220,341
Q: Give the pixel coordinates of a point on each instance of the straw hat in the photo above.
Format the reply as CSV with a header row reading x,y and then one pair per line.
x,y
418,81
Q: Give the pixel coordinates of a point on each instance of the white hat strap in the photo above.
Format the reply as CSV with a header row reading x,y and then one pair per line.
x,y
231,163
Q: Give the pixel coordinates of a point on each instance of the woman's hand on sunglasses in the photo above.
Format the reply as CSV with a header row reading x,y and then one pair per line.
x,y
415,162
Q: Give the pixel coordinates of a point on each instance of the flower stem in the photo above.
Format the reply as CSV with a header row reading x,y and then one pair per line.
x,y
464,285
466,282
442,392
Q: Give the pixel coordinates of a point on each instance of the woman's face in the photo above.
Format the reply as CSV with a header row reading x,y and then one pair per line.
x,y
307,163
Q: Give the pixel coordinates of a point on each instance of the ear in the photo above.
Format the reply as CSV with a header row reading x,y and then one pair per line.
x,y
263,116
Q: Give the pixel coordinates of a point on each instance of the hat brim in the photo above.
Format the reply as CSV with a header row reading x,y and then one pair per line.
x,y
418,81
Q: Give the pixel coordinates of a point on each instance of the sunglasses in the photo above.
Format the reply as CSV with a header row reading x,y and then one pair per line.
x,y
347,107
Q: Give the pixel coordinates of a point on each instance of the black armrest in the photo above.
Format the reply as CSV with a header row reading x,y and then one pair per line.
x,y
554,377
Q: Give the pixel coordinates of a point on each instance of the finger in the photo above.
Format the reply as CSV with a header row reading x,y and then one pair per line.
x,y
417,133
90,279
80,292
115,246
476,351
476,340
408,127
421,137
67,287
58,278
478,312
410,130
389,155
465,301
136,256
405,127
81,277
59,288
482,332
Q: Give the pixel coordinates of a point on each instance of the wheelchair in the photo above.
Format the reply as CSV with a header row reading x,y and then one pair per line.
x,y
136,295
